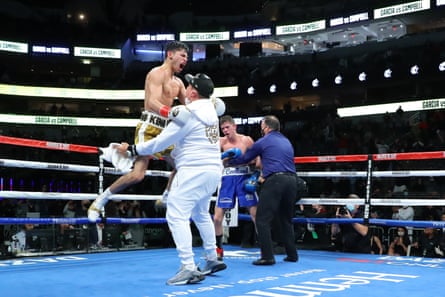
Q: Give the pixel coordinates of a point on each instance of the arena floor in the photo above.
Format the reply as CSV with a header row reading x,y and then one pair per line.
x,y
143,273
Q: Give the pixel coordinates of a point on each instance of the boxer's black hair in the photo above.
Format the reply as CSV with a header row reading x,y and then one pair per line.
x,y
176,46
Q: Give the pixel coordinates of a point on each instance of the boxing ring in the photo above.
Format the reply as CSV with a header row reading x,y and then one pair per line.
x,y
139,272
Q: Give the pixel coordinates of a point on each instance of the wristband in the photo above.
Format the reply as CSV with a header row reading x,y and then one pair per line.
x,y
164,110
132,150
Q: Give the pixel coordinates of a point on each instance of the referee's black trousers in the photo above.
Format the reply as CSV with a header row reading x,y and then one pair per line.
x,y
277,200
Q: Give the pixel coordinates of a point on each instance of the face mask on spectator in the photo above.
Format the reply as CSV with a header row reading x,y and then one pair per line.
x,y
350,207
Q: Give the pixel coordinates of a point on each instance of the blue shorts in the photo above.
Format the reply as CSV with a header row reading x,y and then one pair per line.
x,y
232,187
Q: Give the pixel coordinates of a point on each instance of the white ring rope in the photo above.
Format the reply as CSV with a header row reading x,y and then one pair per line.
x,y
49,166
375,201
72,196
395,173
308,201
72,167
112,170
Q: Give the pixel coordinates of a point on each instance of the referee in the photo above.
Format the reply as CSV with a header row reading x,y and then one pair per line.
x,y
278,191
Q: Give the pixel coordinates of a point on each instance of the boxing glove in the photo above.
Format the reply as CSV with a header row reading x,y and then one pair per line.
x,y
220,106
164,110
251,184
179,114
233,152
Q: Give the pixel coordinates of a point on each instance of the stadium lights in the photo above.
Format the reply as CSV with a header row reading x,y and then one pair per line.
x,y
387,73
273,88
293,86
315,83
251,90
442,66
338,80
414,70
362,76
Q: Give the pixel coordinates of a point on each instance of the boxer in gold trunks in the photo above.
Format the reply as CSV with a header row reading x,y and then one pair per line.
x,y
161,88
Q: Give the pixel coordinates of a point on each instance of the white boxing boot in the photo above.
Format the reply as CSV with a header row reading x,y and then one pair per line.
x,y
97,208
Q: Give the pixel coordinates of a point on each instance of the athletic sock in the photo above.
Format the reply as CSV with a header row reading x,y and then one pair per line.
x,y
219,241
102,199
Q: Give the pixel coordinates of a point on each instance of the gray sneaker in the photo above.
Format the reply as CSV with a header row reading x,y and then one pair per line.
x,y
213,266
185,276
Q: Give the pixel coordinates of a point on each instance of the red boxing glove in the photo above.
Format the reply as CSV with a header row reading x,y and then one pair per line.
x,y
164,110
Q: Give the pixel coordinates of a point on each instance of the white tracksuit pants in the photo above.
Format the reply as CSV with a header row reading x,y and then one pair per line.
x,y
189,197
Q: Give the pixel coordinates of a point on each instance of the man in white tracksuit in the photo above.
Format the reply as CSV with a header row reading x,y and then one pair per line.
x,y
194,131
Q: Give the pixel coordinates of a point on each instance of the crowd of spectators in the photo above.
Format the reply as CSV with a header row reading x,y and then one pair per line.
x,y
316,131
313,131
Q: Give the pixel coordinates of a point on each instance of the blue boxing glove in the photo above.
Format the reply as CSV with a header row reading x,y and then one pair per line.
x,y
233,152
251,184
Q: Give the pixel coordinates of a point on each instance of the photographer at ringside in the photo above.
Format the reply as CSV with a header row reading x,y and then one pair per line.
x,y
354,237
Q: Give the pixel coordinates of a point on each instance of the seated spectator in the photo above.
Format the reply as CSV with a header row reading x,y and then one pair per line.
x,y
428,244
399,246
429,213
18,242
400,189
376,245
395,212
69,210
407,213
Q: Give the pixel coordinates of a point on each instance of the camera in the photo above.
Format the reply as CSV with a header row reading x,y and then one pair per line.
x,y
343,210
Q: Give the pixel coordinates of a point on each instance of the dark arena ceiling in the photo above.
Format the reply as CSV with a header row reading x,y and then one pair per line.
x,y
111,23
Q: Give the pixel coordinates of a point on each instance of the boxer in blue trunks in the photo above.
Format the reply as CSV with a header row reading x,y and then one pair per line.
x,y
233,187
233,180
